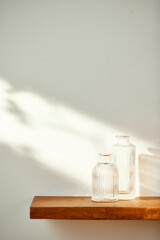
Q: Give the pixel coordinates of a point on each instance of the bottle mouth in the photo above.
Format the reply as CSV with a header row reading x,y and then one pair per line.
x,y
104,155
123,136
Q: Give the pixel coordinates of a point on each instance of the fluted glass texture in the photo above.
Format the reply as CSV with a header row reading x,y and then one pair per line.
x,y
105,181
123,154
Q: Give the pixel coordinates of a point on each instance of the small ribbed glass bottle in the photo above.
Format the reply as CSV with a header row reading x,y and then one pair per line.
x,y
105,180
123,155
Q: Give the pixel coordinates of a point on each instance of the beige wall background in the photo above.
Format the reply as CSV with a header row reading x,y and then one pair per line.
x,y
73,74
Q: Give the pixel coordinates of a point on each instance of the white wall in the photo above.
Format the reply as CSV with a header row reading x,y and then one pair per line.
x,y
72,75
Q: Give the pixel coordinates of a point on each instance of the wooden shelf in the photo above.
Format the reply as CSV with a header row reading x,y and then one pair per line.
x,y
143,208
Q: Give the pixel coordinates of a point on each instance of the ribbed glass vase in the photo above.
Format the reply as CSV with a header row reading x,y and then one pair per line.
x,y
105,180
123,155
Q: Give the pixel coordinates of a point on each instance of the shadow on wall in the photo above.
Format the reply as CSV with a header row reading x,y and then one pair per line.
x,y
53,134
149,174
106,229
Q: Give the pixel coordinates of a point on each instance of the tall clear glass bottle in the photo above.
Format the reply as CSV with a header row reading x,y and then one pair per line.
x,y
123,155
105,180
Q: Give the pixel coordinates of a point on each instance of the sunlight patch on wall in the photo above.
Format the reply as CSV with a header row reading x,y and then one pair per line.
x,y
54,134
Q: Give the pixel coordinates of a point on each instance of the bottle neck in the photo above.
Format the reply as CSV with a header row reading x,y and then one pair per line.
x,y
104,158
123,140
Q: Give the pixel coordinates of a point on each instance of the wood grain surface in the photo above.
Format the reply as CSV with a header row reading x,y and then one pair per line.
x,y
143,208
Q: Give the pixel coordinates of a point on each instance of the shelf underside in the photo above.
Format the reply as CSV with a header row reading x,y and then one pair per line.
x,y
143,208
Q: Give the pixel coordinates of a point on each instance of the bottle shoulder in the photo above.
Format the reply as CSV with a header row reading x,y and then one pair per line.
x,y
104,167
